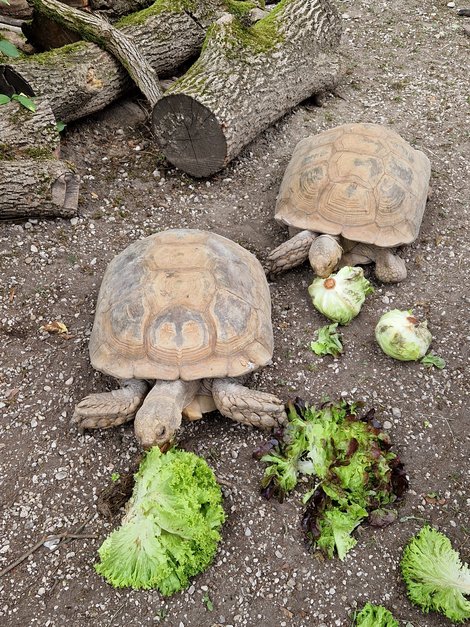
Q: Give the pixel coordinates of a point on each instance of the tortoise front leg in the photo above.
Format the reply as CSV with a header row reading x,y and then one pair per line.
x,y
251,407
290,254
389,267
110,409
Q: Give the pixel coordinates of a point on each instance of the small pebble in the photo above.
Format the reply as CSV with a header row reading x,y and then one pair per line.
x,y
387,424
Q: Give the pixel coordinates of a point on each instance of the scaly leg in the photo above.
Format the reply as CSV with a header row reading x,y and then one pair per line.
x,y
290,254
110,409
250,407
389,267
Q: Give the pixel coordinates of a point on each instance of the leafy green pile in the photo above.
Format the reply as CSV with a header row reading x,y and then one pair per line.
x,y
375,616
171,529
435,577
353,472
328,341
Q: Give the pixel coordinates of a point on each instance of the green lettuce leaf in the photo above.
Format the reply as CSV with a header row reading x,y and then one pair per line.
x,y
350,464
375,616
171,529
435,577
328,342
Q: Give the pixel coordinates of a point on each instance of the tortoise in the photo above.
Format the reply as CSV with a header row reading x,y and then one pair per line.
x,y
349,196
181,317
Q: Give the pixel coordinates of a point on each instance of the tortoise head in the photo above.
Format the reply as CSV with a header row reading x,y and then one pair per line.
x,y
156,422
324,255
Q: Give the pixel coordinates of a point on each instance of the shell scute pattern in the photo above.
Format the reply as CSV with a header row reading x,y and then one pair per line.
x,y
182,304
362,181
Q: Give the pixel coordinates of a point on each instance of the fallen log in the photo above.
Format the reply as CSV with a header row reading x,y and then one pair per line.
x,y
45,34
115,8
33,182
98,30
244,80
37,187
80,78
24,134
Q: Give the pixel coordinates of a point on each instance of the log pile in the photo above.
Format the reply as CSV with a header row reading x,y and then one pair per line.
x,y
246,79
33,181
254,66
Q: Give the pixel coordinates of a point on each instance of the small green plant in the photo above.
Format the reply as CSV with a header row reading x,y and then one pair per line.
x,y
115,477
160,615
24,100
60,126
207,601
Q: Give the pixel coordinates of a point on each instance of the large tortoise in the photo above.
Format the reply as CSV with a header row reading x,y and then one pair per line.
x,y
350,195
185,311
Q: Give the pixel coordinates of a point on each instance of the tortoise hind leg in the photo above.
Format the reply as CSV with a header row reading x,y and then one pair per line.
x,y
250,407
110,409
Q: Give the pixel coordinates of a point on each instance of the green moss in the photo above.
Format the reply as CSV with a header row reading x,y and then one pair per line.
x,y
160,6
6,153
240,7
53,56
259,38
266,31
35,152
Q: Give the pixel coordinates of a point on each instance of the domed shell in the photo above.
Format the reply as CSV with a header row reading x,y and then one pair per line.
x,y
361,181
182,304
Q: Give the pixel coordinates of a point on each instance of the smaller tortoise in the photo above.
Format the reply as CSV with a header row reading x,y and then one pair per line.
x,y
187,311
354,192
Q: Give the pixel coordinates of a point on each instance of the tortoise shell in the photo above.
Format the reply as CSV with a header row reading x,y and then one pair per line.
x,y
182,304
361,181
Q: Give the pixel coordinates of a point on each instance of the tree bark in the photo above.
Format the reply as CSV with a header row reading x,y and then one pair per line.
x,y
37,187
44,33
81,78
98,30
115,8
244,80
24,134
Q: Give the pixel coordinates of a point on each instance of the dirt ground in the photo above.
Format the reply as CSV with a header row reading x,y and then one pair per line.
x,y
408,65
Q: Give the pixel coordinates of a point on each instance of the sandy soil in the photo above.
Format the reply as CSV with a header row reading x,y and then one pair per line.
x,y
408,65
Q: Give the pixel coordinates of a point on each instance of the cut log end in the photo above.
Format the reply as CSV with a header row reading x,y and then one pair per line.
x,y
189,135
38,188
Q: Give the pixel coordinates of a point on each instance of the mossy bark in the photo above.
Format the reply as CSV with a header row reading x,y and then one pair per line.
x,y
244,80
24,134
33,181
100,31
80,78
37,187
44,33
